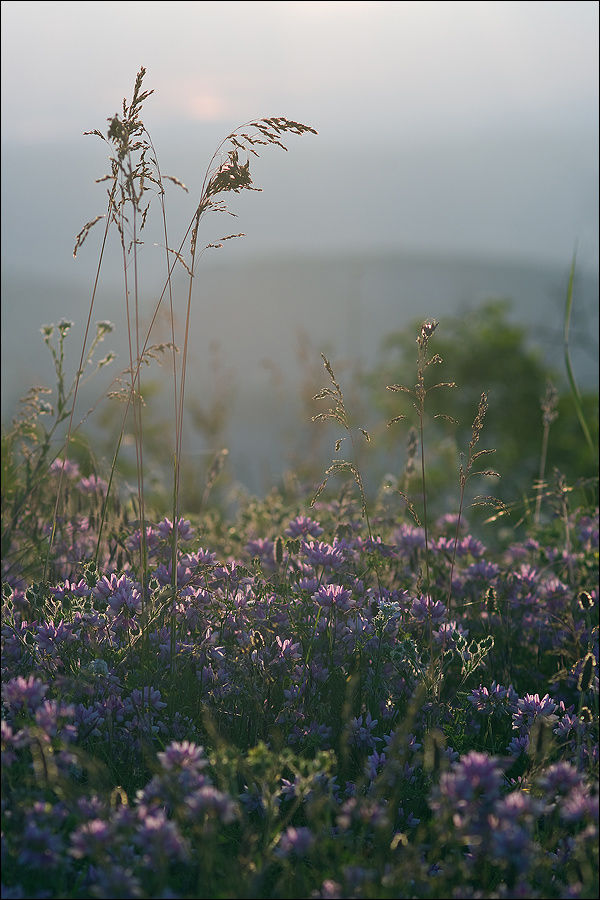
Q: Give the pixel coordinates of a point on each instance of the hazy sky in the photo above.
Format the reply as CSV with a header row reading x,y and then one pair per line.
x,y
462,130
446,126
410,68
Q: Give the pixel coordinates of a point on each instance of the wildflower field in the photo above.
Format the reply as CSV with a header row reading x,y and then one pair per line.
x,y
328,692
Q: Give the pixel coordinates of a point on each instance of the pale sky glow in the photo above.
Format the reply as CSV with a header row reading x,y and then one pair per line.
x,y
466,127
456,160
426,65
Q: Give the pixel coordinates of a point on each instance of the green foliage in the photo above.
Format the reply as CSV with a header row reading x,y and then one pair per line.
x,y
34,441
485,350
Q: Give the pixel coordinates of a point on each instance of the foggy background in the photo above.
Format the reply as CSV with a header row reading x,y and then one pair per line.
x,y
456,160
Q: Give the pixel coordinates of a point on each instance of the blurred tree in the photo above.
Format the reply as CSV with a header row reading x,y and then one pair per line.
x,y
484,351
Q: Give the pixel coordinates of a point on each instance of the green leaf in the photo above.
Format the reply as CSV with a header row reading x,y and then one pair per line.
x,y
573,385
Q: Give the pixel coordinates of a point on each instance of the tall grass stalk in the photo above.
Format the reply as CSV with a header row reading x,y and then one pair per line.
x,y
571,378
419,394
549,403
337,413
464,475
78,375
134,171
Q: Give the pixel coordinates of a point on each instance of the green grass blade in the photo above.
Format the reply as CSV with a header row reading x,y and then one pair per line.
x,y
572,383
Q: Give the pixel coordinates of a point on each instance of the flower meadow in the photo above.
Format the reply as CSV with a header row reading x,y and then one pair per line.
x,y
319,694
299,720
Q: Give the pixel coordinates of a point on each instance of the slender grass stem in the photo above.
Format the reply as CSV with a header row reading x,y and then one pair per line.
x,y
549,403
78,378
572,383
424,495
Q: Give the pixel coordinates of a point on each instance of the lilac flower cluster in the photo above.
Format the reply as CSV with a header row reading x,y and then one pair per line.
x,y
298,716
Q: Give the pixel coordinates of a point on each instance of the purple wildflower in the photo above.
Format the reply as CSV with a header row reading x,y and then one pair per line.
x,y
361,729
559,779
10,742
308,584
320,554
157,836
334,596
42,846
50,637
530,708
108,584
446,633
287,649
303,527
409,820
579,804
93,485
375,762
476,775
511,826
148,698
290,788
71,469
185,532
183,755
588,531
115,881
75,589
91,838
482,570
470,546
51,716
518,745
24,693
264,549
494,700
376,544
185,574
408,538
450,521
295,842
124,599
424,609
567,724
89,720
134,541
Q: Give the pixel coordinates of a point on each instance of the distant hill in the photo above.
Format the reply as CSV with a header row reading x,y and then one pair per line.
x,y
258,329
